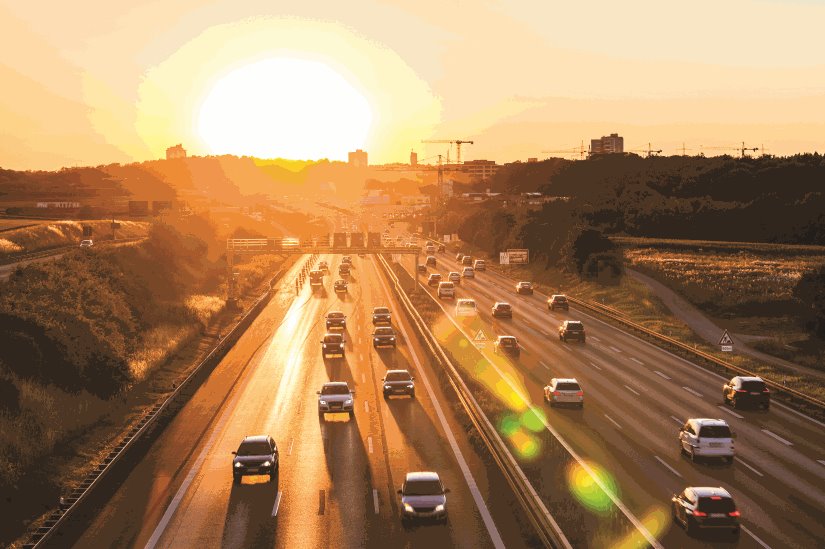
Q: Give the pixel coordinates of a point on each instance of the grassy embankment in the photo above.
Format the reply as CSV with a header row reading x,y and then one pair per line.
x,y
54,234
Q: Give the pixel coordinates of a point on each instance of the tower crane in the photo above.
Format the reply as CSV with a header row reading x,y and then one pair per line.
x,y
683,149
458,143
649,151
742,150
580,150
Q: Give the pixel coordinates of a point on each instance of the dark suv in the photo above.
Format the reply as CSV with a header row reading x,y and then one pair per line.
x,y
501,309
434,279
398,382
384,336
558,302
700,508
381,315
507,345
746,391
336,321
333,346
571,329
257,455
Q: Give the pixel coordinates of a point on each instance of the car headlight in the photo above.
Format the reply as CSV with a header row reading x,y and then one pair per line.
x,y
392,338
325,345
322,402
439,508
408,508
238,464
375,339
410,386
267,463
348,401
387,386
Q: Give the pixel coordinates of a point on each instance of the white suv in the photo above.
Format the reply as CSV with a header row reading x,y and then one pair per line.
x,y
706,438
466,307
468,272
446,289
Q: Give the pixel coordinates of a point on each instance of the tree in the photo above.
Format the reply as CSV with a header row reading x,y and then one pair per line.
x,y
588,242
810,291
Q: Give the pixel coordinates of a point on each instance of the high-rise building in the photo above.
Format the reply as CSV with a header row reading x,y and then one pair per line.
x,y
479,169
175,152
413,158
358,159
610,144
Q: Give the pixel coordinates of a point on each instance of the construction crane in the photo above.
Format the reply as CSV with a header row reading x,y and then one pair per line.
x,y
580,150
458,143
649,151
683,149
742,150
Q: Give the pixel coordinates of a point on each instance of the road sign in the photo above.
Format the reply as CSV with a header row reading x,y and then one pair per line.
x,y
726,343
503,258
480,339
447,238
519,256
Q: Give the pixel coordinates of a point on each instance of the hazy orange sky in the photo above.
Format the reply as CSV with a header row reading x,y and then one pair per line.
x,y
93,82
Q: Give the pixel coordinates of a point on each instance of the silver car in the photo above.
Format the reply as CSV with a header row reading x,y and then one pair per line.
x,y
336,397
564,391
705,437
423,497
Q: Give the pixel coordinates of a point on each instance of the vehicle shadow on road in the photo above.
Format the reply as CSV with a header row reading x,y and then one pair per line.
x,y
248,521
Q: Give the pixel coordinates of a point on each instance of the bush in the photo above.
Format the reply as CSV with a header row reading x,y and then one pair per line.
x,y
605,268
810,291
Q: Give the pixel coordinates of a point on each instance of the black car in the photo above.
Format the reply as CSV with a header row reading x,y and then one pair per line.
x,y
422,269
525,288
346,260
336,320
431,261
743,391
257,455
703,508
398,382
572,329
434,279
507,345
501,309
340,285
343,269
558,302
381,315
442,248
333,346
384,336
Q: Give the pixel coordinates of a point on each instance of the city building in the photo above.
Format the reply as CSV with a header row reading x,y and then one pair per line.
x,y
479,169
610,144
358,159
532,159
413,158
61,205
175,152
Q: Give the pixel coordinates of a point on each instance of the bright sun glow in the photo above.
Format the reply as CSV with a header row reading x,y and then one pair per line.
x,y
289,108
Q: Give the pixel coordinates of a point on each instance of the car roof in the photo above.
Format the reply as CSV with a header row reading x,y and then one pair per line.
x,y
467,300
421,475
572,321
557,295
374,309
385,328
336,384
435,274
334,334
750,378
709,421
335,313
398,372
256,438
447,284
524,282
507,337
708,491
564,380
501,303
340,281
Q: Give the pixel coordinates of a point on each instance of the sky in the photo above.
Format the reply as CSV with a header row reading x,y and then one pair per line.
x,y
94,82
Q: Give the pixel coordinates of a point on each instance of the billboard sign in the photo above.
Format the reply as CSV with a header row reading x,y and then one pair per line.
x,y
518,256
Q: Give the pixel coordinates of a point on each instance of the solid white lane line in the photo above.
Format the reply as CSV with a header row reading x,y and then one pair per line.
x,y
277,504
375,500
291,442
677,420
691,391
366,406
492,529
595,366
363,378
545,365
731,412
615,350
613,421
637,361
632,390
671,469
755,538
749,467
777,437
369,444
660,374
821,461
800,414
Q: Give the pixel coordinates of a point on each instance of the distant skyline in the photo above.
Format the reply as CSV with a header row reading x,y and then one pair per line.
x,y
95,82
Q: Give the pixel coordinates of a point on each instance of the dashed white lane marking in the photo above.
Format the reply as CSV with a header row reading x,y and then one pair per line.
x,y
613,421
361,357
595,366
363,378
731,412
375,500
632,390
677,420
615,350
755,538
369,444
594,338
291,442
821,461
545,365
691,391
660,374
777,437
637,361
277,504
749,467
566,348
671,469
366,406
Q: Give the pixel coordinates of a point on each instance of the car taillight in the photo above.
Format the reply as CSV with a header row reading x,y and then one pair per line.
x,y
580,394
699,514
733,514
556,393
741,391
766,390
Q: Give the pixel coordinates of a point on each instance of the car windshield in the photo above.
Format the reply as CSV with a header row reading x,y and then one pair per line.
x,y
258,448
435,276
559,298
715,431
524,284
384,331
753,386
398,376
716,504
454,274
448,285
340,283
333,338
380,311
335,315
503,306
567,386
422,488
575,326
335,390
467,304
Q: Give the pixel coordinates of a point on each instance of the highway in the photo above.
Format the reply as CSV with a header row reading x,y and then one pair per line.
x,y
338,476
637,396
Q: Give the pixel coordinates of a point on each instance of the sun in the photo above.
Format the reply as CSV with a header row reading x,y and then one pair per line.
x,y
287,108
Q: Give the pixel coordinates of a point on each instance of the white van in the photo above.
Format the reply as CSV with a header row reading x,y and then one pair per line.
x,y
446,289
479,265
466,307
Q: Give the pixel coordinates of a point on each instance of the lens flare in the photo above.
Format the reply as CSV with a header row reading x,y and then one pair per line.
x,y
584,487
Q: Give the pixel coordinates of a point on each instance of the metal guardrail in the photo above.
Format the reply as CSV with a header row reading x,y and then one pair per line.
x,y
544,524
28,256
71,503
792,394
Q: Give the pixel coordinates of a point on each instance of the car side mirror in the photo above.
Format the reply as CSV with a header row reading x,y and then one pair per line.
x,y
317,392
398,491
446,490
352,392
234,453
734,434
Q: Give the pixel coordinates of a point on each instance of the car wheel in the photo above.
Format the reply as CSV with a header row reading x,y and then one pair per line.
x,y
734,402
412,394
352,414
552,403
692,454
682,450
729,459
321,416
386,395
690,527
725,399
236,479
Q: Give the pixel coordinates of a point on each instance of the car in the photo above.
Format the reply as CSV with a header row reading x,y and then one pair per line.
x,y
446,289
572,329
434,279
340,285
343,269
705,507
431,261
87,243
322,266
466,307
383,336
703,437
507,345
398,382
442,248
346,260
335,396
468,272
454,277
423,497
381,315
332,346
336,320
430,249
525,288
564,391
742,391
422,269
479,265
256,455
459,256
558,301
502,309
467,260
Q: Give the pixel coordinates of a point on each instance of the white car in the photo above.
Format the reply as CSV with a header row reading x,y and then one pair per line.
x,y
88,243
454,277
468,272
466,307
479,265
446,289
335,396
564,391
703,437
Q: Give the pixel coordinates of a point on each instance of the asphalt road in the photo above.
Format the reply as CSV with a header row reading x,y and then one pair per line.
x,y
338,476
637,396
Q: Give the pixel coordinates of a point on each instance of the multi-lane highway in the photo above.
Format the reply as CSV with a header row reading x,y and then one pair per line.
x,y
338,476
637,397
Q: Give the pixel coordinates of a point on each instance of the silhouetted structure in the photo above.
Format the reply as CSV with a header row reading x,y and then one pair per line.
x,y
479,169
358,159
610,144
175,152
413,158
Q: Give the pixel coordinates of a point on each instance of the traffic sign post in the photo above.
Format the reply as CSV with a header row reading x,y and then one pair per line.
x,y
518,256
503,258
726,343
480,340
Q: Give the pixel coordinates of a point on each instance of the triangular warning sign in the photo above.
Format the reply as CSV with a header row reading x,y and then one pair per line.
x,y
726,340
480,336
